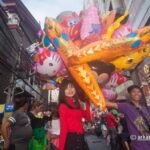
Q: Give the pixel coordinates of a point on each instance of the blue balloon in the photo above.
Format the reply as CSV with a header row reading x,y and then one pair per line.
x,y
46,41
65,36
56,42
136,44
131,35
48,44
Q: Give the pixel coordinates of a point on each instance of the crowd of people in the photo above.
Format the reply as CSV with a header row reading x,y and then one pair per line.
x,y
64,128
112,126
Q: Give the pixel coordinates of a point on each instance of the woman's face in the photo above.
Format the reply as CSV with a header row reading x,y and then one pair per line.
x,y
136,95
70,91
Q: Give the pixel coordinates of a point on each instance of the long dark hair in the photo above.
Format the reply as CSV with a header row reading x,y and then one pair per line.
x,y
20,102
62,96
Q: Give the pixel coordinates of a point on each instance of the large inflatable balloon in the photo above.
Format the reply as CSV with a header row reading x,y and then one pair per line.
x,y
81,73
110,93
102,71
90,23
122,31
45,41
48,63
71,24
130,61
109,89
108,50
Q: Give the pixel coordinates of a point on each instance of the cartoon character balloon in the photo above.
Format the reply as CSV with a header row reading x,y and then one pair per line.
x,y
71,24
105,50
91,22
45,42
48,63
102,71
109,89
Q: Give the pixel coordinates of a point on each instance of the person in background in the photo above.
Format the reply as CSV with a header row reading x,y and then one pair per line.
x,y
111,126
54,130
71,114
104,127
17,130
137,117
38,120
125,137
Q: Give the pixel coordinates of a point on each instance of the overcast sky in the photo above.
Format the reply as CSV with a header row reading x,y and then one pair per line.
x,y
51,8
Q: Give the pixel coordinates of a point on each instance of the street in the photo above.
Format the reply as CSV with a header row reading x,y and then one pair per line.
x,y
96,143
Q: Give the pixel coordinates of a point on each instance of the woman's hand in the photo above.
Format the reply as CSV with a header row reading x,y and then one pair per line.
x,y
47,113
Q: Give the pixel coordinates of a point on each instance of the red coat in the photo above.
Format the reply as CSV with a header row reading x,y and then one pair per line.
x,y
71,120
110,120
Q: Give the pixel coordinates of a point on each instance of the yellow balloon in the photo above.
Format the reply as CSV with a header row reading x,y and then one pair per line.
x,y
115,25
130,61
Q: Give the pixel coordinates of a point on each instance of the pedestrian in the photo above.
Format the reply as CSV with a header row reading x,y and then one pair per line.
x,y
138,118
71,114
17,130
125,137
104,127
111,126
54,130
38,120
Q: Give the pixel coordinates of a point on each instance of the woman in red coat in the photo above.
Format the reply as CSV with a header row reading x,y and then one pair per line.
x,y
71,114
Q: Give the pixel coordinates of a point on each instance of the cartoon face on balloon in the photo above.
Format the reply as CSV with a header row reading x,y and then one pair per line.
x,y
48,63
71,24
109,93
109,89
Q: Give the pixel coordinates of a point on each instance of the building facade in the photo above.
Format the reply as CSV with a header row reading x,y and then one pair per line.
x,y
18,30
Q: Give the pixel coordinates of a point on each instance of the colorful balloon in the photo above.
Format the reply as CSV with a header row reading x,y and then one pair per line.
x,y
109,89
109,93
105,50
46,43
71,24
81,73
124,30
48,63
90,23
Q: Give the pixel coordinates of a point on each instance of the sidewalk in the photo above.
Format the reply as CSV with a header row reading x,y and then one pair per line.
x,y
96,143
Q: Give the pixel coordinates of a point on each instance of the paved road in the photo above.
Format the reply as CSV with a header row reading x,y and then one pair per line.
x,y
96,143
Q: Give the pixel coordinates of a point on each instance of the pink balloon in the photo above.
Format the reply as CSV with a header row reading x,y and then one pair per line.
x,y
109,93
109,89
50,66
90,22
71,24
103,78
122,31
115,80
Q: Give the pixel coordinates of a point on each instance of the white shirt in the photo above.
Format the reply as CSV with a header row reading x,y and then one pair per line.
x,y
55,127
